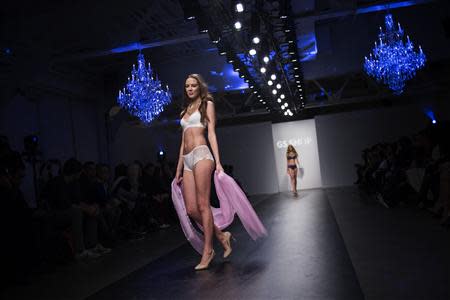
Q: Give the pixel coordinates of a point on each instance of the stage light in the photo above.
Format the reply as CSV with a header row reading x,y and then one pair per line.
x,y
278,86
273,77
286,104
237,25
263,70
266,59
274,92
279,100
282,96
270,82
239,7
434,122
256,40
255,92
252,52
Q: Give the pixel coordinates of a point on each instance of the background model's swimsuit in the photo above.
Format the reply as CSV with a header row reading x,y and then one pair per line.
x,y
292,166
200,152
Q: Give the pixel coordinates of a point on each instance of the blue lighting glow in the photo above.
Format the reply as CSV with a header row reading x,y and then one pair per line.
x,y
393,61
127,48
143,96
386,6
430,115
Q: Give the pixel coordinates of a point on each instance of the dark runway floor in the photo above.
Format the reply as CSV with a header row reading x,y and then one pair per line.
x,y
304,257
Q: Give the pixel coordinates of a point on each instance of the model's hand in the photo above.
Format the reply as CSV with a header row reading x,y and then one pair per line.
x,y
178,177
219,168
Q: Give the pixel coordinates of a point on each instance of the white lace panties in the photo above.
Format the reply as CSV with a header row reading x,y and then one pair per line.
x,y
197,154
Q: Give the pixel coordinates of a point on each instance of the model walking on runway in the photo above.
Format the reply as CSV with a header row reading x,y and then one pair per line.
x,y
192,184
292,167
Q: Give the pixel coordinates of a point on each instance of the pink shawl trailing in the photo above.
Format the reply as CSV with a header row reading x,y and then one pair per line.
x,y
232,200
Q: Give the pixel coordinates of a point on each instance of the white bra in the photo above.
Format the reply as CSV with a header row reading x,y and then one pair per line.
x,y
194,120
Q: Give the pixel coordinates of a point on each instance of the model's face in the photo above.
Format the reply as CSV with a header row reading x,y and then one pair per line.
x,y
192,88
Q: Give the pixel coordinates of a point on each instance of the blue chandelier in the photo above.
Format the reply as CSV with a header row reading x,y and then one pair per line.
x,y
393,61
143,96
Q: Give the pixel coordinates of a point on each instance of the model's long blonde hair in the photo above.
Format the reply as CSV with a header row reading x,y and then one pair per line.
x,y
204,95
291,149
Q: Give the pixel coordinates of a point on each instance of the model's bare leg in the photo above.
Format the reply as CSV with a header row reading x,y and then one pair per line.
x,y
190,199
295,181
202,176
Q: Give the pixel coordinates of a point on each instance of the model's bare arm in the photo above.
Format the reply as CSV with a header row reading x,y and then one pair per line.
x,y
212,138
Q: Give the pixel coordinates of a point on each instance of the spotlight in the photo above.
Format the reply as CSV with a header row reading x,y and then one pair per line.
x,y
263,70
434,122
295,68
252,86
239,7
278,86
259,96
252,52
255,92
270,82
274,92
255,40
282,96
273,77
297,76
190,9
222,52
294,60
266,59
286,104
279,100
237,25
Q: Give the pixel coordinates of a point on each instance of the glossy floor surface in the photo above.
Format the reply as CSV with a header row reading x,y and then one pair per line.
x,y
304,257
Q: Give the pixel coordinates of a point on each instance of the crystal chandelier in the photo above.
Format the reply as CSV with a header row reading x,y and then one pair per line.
x,y
143,96
394,61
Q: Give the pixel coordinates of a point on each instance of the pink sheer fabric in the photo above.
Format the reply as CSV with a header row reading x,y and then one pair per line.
x,y
232,201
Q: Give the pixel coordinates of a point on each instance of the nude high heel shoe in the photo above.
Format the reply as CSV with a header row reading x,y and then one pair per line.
x,y
228,249
205,266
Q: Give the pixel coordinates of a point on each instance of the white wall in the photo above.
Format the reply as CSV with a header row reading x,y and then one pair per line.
x,y
249,149
302,135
